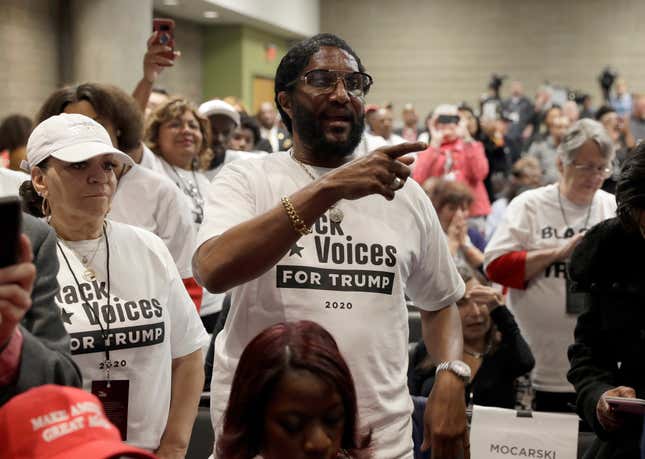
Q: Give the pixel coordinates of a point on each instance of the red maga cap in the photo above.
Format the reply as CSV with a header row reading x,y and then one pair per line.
x,y
57,422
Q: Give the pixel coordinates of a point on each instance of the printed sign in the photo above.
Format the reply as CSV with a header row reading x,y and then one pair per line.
x,y
499,433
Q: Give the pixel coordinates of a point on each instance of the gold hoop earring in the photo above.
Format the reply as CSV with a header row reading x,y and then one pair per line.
x,y
45,207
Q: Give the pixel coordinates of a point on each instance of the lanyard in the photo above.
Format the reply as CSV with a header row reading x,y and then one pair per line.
x,y
105,331
193,191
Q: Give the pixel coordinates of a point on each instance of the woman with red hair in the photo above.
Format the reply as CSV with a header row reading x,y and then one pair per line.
x,y
292,396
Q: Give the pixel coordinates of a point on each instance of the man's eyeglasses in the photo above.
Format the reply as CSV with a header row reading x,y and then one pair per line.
x,y
356,83
589,169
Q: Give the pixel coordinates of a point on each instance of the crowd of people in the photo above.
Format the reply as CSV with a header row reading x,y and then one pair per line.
x,y
298,239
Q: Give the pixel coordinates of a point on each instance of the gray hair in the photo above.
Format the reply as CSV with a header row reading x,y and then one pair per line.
x,y
581,131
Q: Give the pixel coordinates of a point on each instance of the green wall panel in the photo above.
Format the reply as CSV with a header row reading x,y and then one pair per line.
x,y
222,62
233,56
254,59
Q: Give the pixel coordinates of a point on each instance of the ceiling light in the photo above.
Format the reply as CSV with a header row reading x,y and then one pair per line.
x,y
171,2
211,14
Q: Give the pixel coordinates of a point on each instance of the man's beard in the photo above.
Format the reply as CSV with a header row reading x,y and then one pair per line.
x,y
312,134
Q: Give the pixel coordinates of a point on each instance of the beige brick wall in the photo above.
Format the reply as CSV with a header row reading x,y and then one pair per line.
x,y
28,54
185,78
435,51
33,64
108,40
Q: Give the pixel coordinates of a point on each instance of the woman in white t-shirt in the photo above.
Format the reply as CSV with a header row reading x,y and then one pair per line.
x,y
530,250
180,138
135,334
144,198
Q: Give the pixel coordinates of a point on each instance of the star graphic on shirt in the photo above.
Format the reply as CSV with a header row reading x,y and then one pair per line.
x,y
66,316
296,250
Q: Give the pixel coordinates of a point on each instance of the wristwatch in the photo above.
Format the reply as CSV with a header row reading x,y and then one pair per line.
x,y
458,367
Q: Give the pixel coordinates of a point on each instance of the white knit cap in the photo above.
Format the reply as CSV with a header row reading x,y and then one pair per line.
x,y
219,107
69,137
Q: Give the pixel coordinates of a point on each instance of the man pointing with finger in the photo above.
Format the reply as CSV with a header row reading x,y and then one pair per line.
x,y
318,233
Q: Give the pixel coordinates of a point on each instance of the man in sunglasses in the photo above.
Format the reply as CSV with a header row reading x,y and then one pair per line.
x,y
321,233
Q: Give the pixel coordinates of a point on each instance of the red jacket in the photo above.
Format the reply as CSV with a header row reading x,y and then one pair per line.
x,y
469,166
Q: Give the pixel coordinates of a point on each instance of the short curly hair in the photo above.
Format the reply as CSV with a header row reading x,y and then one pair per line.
x,y
296,60
170,110
108,101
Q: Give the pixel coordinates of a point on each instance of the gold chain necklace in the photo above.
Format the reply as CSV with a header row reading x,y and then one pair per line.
x,y
335,214
89,274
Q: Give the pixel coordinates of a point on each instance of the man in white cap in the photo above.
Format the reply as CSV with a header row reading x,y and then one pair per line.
x,y
224,119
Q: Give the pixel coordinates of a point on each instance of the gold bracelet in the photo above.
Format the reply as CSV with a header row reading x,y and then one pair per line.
x,y
296,222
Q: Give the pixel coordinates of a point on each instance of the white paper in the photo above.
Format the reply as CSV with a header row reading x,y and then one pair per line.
x,y
499,433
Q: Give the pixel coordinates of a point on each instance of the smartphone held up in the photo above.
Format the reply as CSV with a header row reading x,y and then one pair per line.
x,y
165,30
10,229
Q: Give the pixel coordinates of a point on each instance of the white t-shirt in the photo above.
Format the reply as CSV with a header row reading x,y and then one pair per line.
x,y
233,155
533,221
497,211
153,321
370,142
150,200
193,185
377,141
349,277
10,181
151,161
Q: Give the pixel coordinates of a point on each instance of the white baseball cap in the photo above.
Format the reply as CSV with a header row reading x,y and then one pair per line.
x,y
69,137
219,107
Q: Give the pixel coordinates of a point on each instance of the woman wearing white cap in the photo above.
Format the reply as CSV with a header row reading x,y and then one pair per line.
x,y
135,334
144,198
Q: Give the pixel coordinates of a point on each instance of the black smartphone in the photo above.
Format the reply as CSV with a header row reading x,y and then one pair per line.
x,y
10,229
448,119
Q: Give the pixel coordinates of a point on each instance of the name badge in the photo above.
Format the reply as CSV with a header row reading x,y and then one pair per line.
x,y
114,397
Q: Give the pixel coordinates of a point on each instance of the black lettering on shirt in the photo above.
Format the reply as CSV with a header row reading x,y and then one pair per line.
x,y
345,280
557,270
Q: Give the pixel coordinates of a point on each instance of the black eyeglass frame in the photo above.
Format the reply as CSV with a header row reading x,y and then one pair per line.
x,y
339,75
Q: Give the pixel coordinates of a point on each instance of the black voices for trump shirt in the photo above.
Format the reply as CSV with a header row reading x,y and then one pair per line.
x,y
152,320
534,221
350,277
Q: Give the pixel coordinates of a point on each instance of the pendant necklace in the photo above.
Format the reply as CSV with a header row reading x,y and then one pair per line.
x,y
89,274
104,330
335,214
478,355
192,190
569,232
